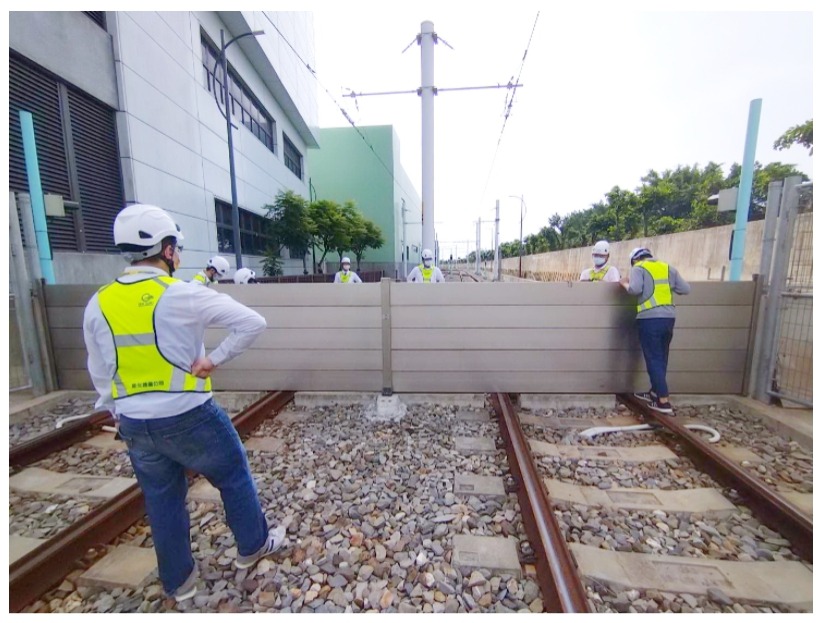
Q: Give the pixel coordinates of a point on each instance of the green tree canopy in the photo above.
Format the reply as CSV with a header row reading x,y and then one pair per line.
x,y
802,134
290,227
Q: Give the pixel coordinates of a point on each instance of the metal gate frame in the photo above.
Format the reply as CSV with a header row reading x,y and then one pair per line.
x,y
784,290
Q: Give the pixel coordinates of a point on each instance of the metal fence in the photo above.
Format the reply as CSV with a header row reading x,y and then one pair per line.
x,y
786,366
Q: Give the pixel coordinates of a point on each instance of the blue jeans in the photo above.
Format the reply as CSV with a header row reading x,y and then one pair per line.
x,y
655,337
202,440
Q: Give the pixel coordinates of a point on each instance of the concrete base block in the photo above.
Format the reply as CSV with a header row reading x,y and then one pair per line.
x,y
473,416
475,445
495,553
312,400
234,402
106,441
488,486
639,454
705,501
540,402
203,491
19,546
44,481
124,566
264,444
776,582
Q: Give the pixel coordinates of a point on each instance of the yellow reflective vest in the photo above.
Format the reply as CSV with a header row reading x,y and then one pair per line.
x,y
344,277
597,275
201,278
141,368
426,272
662,294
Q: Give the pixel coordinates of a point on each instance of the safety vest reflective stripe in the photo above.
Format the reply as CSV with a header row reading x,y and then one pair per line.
x,y
344,277
129,310
426,272
662,293
597,275
201,278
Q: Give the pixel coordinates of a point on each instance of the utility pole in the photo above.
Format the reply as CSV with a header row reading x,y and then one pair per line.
x,y
426,39
477,255
405,247
497,240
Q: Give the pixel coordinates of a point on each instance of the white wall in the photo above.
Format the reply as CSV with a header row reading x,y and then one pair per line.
x,y
174,150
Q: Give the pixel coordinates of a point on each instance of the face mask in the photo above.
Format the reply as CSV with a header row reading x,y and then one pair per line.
x,y
427,263
346,268
599,261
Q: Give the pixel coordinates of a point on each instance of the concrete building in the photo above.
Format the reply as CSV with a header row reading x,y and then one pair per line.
x,y
124,106
369,172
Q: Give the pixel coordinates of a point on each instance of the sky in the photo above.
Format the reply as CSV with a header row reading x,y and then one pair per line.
x,y
606,96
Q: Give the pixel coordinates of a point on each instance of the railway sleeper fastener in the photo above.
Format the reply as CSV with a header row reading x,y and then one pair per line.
x,y
511,484
526,553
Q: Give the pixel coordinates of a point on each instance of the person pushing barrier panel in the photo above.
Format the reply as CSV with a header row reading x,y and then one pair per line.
x,y
653,283
146,357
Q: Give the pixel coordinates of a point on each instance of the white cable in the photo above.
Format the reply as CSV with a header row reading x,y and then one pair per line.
x,y
70,418
590,433
109,429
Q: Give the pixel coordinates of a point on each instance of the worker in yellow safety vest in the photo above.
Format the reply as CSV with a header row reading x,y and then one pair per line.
x,y
653,283
215,269
426,272
346,275
601,271
147,360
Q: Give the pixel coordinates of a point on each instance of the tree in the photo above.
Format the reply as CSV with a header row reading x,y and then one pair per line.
x,y
289,226
328,225
802,134
365,235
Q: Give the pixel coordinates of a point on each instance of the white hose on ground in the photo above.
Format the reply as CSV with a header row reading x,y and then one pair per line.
x,y
70,418
590,433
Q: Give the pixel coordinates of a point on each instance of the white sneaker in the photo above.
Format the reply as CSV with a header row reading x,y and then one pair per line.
x,y
188,588
275,540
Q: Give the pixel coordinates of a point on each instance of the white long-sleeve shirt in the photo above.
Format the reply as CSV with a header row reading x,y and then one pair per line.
x,y
181,317
353,277
415,276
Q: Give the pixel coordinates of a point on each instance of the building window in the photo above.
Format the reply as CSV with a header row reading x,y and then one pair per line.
x,y
292,157
244,105
254,238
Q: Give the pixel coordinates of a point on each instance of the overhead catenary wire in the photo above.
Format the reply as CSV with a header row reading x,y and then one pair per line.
x,y
508,107
346,115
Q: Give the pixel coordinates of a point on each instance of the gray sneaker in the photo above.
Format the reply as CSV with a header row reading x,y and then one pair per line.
x,y
188,588
275,540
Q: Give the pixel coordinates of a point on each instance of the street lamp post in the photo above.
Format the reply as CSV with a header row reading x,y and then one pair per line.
x,y
235,211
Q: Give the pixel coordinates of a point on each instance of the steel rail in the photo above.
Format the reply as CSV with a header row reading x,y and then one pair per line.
x,y
557,576
33,450
772,509
42,568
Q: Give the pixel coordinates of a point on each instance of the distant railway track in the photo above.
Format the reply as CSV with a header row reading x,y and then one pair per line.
x,y
42,568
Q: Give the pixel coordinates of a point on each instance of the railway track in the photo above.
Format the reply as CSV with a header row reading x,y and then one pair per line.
x,y
593,521
375,516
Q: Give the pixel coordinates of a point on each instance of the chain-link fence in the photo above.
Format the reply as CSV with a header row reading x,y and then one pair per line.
x,y
792,366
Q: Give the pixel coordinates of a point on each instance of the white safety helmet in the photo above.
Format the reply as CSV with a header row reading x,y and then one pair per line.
x,y
220,264
139,230
346,260
601,247
427,254
638,253
243,275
